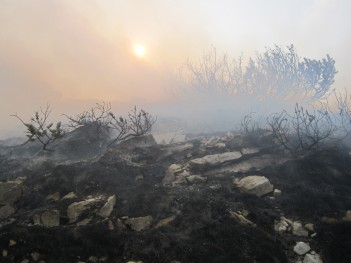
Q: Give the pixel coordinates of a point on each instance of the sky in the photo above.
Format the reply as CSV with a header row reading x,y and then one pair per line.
x,y
72,53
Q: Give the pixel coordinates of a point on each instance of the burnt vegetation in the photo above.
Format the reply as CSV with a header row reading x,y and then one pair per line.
x,y
103,190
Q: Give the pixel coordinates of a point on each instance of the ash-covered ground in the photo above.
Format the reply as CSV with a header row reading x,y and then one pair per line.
x,y
222,197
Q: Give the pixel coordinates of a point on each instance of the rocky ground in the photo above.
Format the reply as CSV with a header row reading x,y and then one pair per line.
x,y
212,198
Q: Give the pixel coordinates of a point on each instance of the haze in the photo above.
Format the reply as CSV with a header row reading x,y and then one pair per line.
x,y
71,54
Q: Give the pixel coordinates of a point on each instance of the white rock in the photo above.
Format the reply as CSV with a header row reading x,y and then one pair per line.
x,y
301,248
299,230
165,221
249,150
139,223
309,227
106,210
347,216
215,159
70,195
312,258
171,172
281,226
254,184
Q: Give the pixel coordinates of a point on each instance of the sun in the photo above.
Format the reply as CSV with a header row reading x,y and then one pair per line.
x,y
139,50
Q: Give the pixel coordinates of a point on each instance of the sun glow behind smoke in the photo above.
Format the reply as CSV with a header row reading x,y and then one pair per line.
x,y
139,50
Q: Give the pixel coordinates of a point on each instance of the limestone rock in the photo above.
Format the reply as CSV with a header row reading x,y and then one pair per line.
x,y
139,223
171,172
106,210
240,219
347,216
165,221
246,151
277,193
214,159
309,227
299,230
301,248
70,195
281,226
75,209
254,184
196,179
50,218
11,191
6,211
312,258
54,197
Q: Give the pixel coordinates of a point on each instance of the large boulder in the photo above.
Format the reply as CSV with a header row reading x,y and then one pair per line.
x,y
254,184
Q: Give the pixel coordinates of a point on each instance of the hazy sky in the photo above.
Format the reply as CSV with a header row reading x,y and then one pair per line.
x,y
66,52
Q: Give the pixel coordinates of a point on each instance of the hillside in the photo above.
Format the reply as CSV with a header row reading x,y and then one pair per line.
x,y
212,198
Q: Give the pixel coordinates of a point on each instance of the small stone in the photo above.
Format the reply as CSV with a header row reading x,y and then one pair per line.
x,y
110,225
299,230
6,211
12,243
301,248
35,256
309,227
70,195
329,220
281,226
4,253
139,223
54,196
312,258
25,260
314,235
277,193
84,222
139,177
165,221
50,218
347,216
196,179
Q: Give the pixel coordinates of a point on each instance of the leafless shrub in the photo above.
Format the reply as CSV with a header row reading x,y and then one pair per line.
x,y
303,130
344,112
251,125
138,122
99,116
38,129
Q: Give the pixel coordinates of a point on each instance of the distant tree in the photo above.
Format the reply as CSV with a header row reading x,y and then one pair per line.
x,y
277,72
39,130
